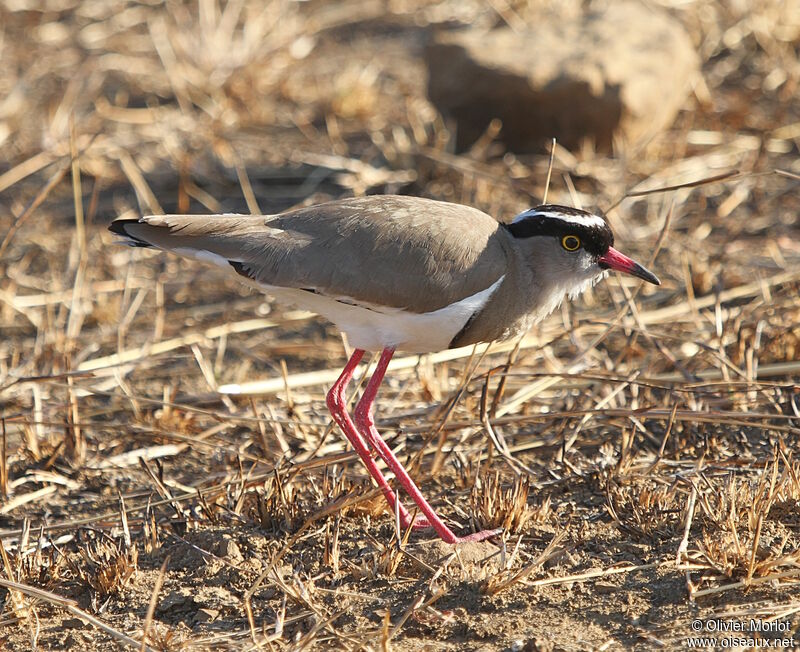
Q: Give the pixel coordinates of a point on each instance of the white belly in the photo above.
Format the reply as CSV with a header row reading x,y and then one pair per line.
x,y
374,328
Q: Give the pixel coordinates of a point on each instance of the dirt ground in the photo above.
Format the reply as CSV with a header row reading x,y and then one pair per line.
x,y
639,448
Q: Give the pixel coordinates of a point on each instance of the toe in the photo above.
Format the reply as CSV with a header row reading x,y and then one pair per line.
x,y
480,536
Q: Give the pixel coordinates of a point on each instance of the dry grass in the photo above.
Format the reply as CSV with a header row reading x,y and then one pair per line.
x,y
639,447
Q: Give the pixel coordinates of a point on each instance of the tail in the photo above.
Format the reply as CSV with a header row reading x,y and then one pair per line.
x,y
223,235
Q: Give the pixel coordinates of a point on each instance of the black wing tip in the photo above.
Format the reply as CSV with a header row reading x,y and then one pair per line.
x,y
118,227
242,269
119,224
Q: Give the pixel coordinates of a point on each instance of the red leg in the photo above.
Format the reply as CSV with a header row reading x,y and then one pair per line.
x,y
338,408
366,424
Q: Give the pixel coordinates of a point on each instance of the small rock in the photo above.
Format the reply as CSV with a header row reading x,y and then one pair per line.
x,y
539,645
615,75
472,555
213,567
205,616
73,623
176,601
228,549
220,597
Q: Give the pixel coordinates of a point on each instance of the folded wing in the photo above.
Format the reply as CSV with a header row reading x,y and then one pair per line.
x,y
390,251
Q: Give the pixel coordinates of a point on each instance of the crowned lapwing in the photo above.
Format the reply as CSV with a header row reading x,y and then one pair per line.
x,y
401,273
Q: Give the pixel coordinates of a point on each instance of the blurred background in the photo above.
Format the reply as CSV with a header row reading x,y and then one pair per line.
x,y
109,356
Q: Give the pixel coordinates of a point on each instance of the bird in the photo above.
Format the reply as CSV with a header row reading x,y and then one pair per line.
x,y
401,273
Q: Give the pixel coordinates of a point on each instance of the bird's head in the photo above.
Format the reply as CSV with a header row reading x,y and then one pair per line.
x,y
569,249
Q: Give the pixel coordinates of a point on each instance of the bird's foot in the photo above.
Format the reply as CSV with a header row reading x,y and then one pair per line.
x,y
477,536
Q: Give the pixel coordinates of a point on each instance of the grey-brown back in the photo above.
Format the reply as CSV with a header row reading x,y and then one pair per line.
x,y
394,251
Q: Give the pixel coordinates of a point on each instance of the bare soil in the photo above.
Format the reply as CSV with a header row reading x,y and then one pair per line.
x,y
645,468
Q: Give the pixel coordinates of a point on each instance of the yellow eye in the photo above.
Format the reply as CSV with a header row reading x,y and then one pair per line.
x,y
570,242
